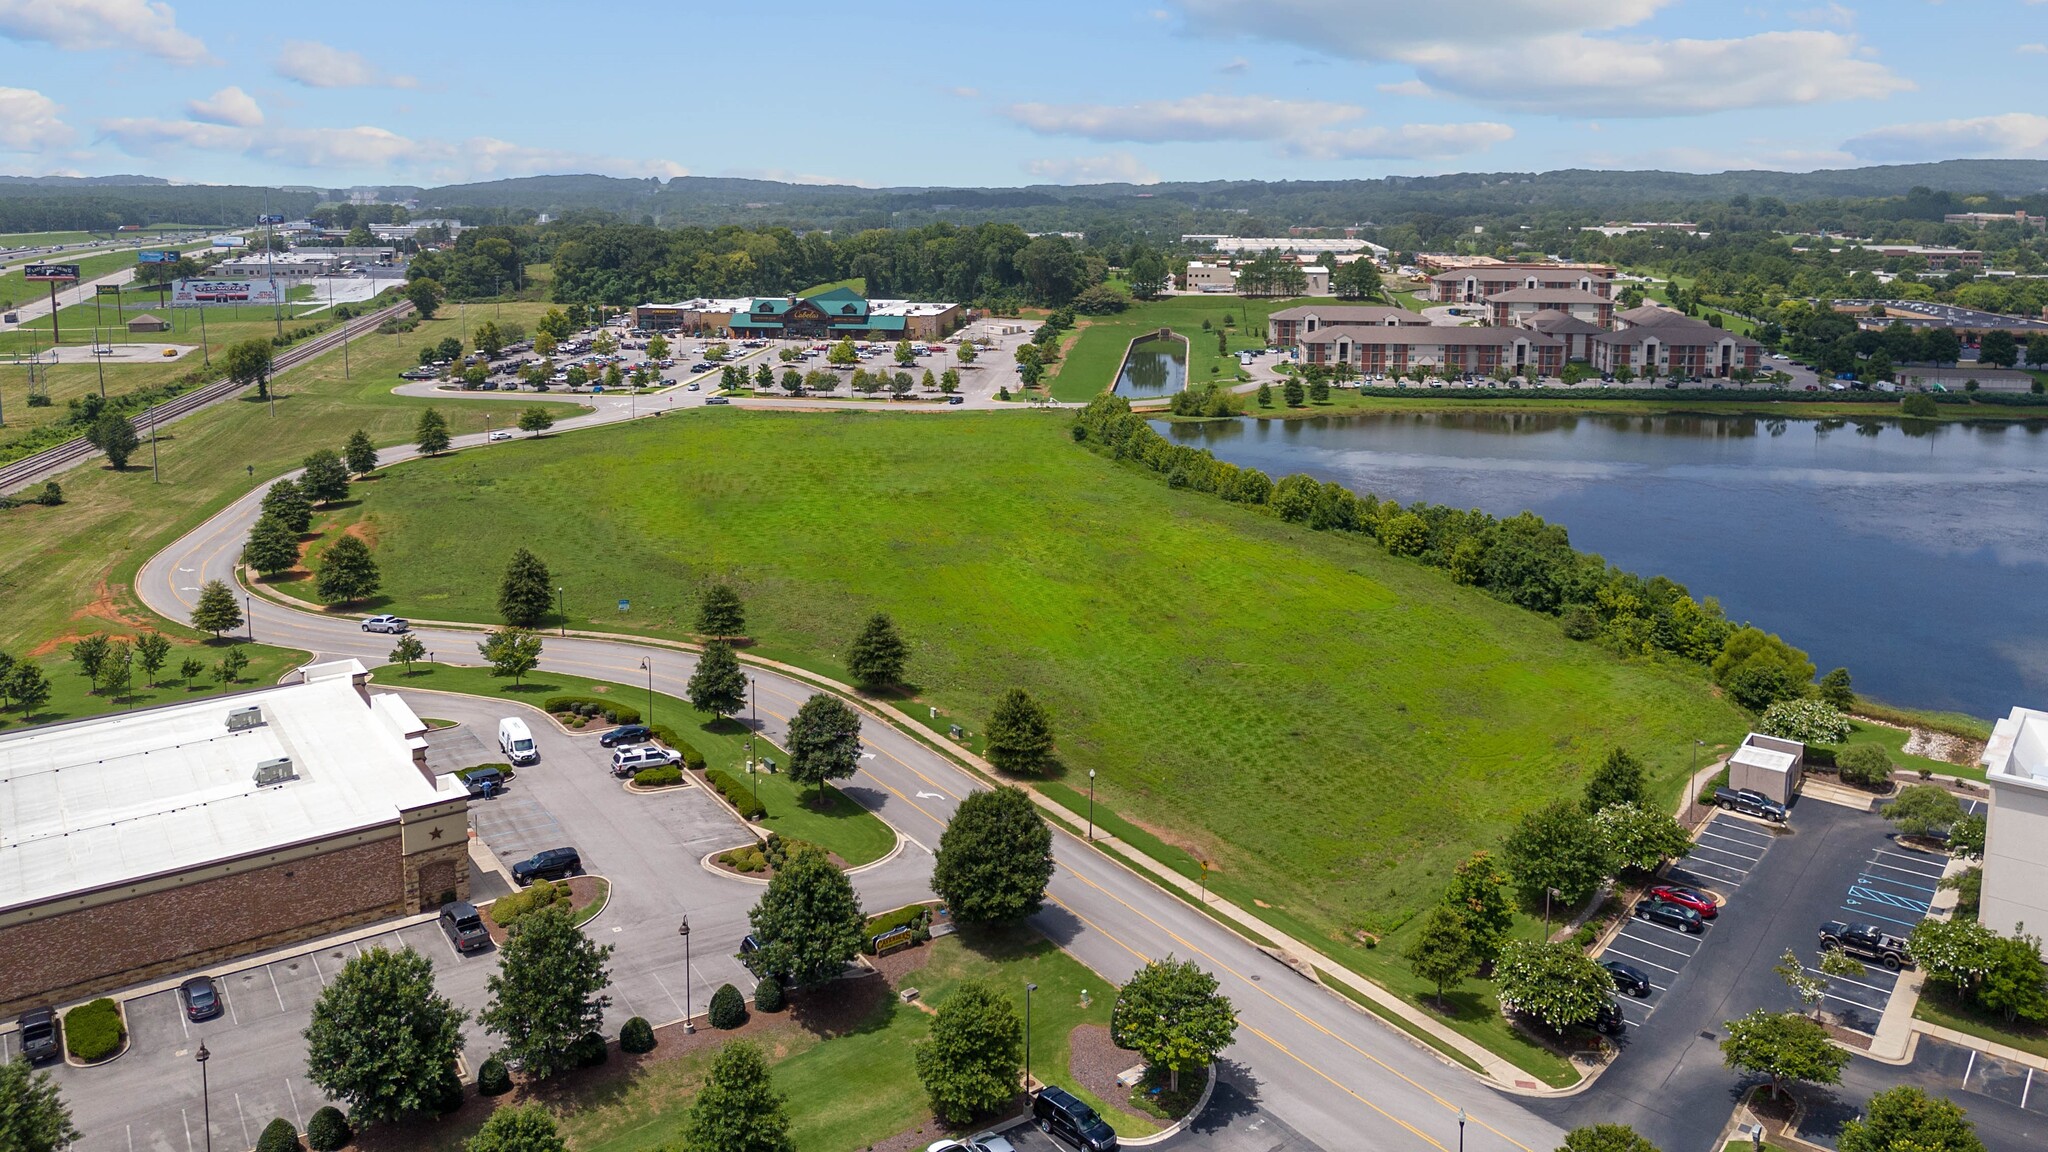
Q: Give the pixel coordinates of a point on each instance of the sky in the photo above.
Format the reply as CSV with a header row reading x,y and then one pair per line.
x,y
888,93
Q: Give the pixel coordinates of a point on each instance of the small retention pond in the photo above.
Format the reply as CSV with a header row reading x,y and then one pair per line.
x,y
1155,366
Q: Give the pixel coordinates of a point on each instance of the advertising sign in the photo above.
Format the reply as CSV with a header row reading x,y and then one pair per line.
x,y
270,218
194,293
228,241
150,257
50,272
109,290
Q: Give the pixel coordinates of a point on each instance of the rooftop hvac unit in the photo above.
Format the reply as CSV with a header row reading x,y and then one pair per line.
x,y
276,771
242,719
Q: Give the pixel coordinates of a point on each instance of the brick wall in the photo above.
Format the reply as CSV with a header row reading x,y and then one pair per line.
x,y
197,924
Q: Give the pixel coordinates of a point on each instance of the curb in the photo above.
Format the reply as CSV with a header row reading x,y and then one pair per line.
x,y
1174,1129
706,862
127,1037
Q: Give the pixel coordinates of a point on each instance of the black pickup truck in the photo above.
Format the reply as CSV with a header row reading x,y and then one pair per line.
x,y
1750,803
1867,942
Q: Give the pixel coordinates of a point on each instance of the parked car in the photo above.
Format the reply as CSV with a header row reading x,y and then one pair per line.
x,y
387,624
464,926
548,864
486,781
1867,941
515,740
1609,1021
1691,898
979,1142
1676,916
39,1035
956,400
1060,1114
626,734
1628,978
202,998
633,758
1750,802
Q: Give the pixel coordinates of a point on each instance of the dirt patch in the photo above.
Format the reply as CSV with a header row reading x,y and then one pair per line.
x,y
1095,1062
899,964
1943,747
107,606
841,1006
363,530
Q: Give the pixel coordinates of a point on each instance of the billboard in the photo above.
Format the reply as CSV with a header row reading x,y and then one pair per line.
x,y
50,272
228,241
194,293
270,218
151,257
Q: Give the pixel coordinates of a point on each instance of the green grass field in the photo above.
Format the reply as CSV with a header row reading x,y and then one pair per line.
x,y
1091,365
1939,1007
71,700
1334,728
14,286
857,283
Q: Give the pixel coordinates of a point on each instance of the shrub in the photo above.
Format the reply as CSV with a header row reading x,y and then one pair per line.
x,y
613,711
1720,780
728,1008
93,1031
768,994
667,735
588,1051
1808,721
278,1136
493,1079
448,1094
507,910
748,859
328,1130
637,1036
1821,755
1579,623
1864,764
658,776
736,794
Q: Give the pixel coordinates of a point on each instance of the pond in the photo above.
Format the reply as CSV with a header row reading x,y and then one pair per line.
x,y
1156,366
1914,555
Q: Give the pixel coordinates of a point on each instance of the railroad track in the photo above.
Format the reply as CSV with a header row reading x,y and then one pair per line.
x,y
58,458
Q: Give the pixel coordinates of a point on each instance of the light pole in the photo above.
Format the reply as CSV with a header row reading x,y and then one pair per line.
x,y
648,667
1028,990
205,1099
248,615
562,608
1461,1130
684,932
1091,805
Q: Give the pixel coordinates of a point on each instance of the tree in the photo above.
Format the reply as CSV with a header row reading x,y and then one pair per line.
x,y
347,571
718,686
325,479
903,355
360,454
824,741
842,355
720,612
1265,394
1941,345
1172,1014
1618,780
523,1128
1147,275
1479,893
1902,1118
1019,739
1835,690
995,857
287,502
1293,393
382,1036
272,547
1784,1046
971,1061
2014,986
1865,764
1807,720
91,655
115,436
407,650
878,653
117,671
1966,837
431,433
151,650
1605,1138
425,295
249,362
28,687
33,1116
657,347
232,662
1924,809
1357,280
965,353
216,611
547,992
1555,983
1556,848
189,669
792,381
808,922
949,381
738,1109
1808,987
1998,348
1641,838
1758,668
1953,952
1920,406
1443,951
536,420
527,591
511,652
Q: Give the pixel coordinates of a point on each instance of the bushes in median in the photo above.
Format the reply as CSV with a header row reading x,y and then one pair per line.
x,y
592,707
916,917
93,1031
667,735
736,794
659,776
637,1036
507,910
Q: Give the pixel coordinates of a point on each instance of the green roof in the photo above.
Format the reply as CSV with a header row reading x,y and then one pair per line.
x,y
841,301
870,324
769,306
742,320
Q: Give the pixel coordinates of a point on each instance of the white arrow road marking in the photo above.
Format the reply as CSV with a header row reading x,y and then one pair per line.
x,y
931,795
184,569
187,588
867,755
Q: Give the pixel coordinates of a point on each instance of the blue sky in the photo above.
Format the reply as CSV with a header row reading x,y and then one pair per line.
x,y
886,92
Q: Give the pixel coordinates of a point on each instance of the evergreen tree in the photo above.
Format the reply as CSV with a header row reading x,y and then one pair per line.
x,y
720,613
360,454
272,548
526,594
718,686
347,571
738,1109
325,479
431,433
1835,689
878,653
1019,737
288,503
1618,780
216,611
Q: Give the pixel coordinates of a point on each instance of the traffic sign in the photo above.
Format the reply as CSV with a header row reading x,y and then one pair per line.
x,y
50,272
625,605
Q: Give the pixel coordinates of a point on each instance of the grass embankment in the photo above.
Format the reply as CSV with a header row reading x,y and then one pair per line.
x,y
836,823
1091,365
70,570
71,699
1938,1007
857,283
1334,728
1584,401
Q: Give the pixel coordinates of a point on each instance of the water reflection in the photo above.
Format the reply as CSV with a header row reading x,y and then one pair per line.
x,y
1157,366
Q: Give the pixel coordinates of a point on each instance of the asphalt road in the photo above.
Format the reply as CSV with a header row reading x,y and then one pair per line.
x,y
1340,1078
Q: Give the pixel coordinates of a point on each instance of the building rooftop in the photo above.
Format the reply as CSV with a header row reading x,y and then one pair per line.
x,y
124,797
2018,749
1350,314
1554,322
1432,335
1547,296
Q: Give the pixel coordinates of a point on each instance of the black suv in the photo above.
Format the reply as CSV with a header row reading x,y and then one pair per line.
x,y
626,734
551,864
39,1035
485,782
1060,1114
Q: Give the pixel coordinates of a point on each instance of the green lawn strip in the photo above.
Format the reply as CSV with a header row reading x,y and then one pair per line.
x,y
1728,403
1398,1021
1107,821
857,283
71,699
855,834
1954,723
15,286
1939,1007
1091,366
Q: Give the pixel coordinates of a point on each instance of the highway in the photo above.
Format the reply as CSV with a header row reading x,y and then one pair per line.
x,y
1336,1075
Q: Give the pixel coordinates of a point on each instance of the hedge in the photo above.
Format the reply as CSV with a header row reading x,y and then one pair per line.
x,y
329,1131
667,735
507,910
658,776
736,794
93,1031
612,711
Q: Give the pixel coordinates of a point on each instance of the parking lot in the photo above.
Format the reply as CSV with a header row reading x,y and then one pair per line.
x,y
1727,850
1892,890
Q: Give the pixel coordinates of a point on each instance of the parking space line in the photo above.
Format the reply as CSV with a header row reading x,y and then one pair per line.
x,y
178,1007
1733,840
296,1115
1852,1000
231,1004
244,1118
1858,910
1680,869
274,987
1846,980
1911,857
1691,864
1654,944
1969,1068
187,1122
1636,959
2028,1087
1698,848
1737,828
664,991
1901,883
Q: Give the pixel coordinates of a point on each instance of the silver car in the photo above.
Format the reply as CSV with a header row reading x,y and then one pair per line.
x,y
387,624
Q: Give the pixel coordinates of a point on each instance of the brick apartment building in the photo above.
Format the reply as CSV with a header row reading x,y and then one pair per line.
x,y
137,845
1287,327
1674,343
1475,284
1446,350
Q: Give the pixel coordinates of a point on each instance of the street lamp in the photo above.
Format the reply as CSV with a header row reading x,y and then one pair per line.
x,y
1461,1130
684,932
562,608
648,667
1091,805
248,615
1028,990
205,1099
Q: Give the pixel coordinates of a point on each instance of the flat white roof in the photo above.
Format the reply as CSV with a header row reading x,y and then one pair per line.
x,y
1756,756
2018,747
123,797
907,307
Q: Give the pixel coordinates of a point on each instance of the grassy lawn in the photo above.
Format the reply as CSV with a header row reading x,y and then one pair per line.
x,y
1344,401
1893,741
15,286
1938,1007
70,700
857,283
1334,728
1091,365
857,835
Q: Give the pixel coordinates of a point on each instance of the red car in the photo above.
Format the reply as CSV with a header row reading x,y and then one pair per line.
x,y
1691,898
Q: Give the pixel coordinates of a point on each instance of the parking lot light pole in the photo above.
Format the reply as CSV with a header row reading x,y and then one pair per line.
x,y
248,615
1091,805
1028,990
647,666
684,932
562,608
205,1100
1461,1130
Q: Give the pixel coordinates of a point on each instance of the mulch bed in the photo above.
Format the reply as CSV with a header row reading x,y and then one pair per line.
x,y
1094,1062
764,873
903,962
582,890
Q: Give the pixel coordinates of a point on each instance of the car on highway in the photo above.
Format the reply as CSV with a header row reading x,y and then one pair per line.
x,y
393,624
547,864
716,400
201,998
1628,978
464,926
626,734
1691,898
1674,916
39,1035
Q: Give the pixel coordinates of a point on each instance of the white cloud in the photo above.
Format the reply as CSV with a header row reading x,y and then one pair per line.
x,y
319,65
1829,15
1236,65
149,136
2033,49
85,25
230,106
29,122
2013,136
1109,168
1407,88
1405,142
1540,55
1192,118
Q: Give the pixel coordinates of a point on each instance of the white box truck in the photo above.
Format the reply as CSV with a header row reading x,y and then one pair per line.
x,y
516,742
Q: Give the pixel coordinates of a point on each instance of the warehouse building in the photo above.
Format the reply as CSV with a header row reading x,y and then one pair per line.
x,y
140,844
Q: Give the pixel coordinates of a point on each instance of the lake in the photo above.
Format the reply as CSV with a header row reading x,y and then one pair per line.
x,y
1156,366
1915,556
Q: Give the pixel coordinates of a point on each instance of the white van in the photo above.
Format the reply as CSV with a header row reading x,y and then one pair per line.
x,y
516,742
